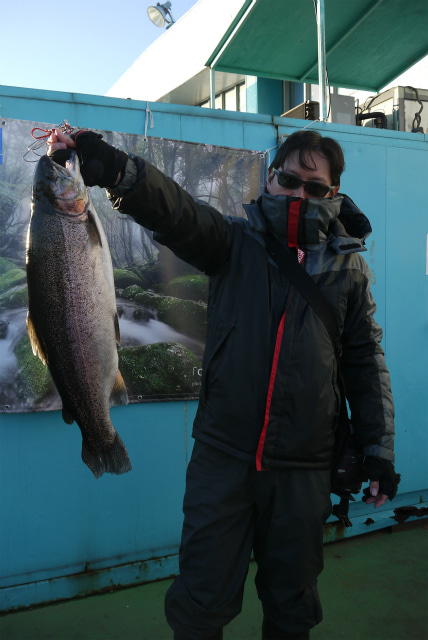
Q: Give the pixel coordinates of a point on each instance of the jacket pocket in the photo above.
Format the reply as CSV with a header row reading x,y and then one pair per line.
x,y
223,332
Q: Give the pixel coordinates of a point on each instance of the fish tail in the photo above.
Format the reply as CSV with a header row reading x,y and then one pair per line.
x,y
113,460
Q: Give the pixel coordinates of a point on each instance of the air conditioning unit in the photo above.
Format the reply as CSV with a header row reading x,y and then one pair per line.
x,y
341,111
399,108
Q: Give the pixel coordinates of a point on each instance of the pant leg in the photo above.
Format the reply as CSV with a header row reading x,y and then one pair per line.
x,y
292,506
215,546
271,632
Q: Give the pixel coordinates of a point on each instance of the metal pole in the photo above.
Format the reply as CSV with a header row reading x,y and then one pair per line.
x,y
212,88
322,75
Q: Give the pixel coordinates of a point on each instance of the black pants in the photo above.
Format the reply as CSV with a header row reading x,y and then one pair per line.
x,y
231,509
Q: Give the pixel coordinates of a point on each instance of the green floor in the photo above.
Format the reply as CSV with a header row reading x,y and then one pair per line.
x,y
374,587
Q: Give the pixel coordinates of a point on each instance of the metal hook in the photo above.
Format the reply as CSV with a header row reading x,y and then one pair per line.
x,y
41,140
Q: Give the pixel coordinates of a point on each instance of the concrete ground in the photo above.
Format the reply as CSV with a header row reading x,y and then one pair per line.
x,y
374,587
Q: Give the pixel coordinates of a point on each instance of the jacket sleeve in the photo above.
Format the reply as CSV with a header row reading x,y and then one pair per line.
x,y
196,232
367,380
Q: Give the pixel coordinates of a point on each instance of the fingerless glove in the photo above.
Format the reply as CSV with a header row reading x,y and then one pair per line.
x,y
383,471
100,163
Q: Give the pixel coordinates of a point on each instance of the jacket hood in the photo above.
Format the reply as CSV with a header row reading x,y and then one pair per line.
x,y
307,221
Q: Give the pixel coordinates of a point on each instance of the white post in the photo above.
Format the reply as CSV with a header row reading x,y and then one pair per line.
x,y
212,88
322,75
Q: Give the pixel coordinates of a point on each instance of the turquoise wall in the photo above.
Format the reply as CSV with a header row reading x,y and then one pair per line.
x,y
265,95
65,534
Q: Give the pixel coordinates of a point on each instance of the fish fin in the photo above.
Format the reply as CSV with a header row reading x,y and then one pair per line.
x,y
34,340
94,220
116,328
66,416
119,394
114,460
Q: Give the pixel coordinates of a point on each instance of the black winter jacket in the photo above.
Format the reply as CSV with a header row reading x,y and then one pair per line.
x,y
269,391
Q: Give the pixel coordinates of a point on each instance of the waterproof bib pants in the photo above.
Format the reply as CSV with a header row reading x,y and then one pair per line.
x,y
230,510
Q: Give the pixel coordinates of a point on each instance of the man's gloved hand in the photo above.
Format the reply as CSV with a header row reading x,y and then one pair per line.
x,y
382,472
100,163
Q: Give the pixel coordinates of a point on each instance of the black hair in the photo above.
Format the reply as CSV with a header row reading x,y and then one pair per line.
x,y
307,142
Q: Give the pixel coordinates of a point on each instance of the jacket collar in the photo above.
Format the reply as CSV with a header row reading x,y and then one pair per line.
x,y
303,222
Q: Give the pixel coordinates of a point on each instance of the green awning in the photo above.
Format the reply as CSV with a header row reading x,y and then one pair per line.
x,y
368,42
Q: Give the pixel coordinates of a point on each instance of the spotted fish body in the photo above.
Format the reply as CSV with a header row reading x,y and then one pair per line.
x,y
72,318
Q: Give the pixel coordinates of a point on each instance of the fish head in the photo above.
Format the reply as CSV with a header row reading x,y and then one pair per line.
x,y
61,187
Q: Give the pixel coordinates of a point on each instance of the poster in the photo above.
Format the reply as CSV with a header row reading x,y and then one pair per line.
x,y
161,300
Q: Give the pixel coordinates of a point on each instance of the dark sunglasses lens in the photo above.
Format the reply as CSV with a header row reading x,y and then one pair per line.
x,y
288,182
316,190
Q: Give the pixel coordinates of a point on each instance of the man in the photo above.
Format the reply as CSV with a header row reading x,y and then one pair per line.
x,y
259,477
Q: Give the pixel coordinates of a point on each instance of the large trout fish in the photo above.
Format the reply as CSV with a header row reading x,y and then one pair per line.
x,y
72,318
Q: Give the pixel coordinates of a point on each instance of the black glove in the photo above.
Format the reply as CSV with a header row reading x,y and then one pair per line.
x,y
100,163
383,471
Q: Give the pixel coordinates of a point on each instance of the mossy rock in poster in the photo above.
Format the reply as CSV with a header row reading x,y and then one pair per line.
x,y
160,370
186,316
150,273
148,299
189,287
6,265
32,369
12,278
130,292
15,298
124,278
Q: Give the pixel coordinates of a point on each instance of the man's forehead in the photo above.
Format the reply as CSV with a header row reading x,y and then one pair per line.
x,y
307,159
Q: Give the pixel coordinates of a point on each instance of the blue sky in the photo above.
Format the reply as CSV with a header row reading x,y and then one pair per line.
x,y
82,46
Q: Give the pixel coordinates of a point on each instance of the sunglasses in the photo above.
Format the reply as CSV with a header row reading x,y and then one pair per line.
x,y
312,188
